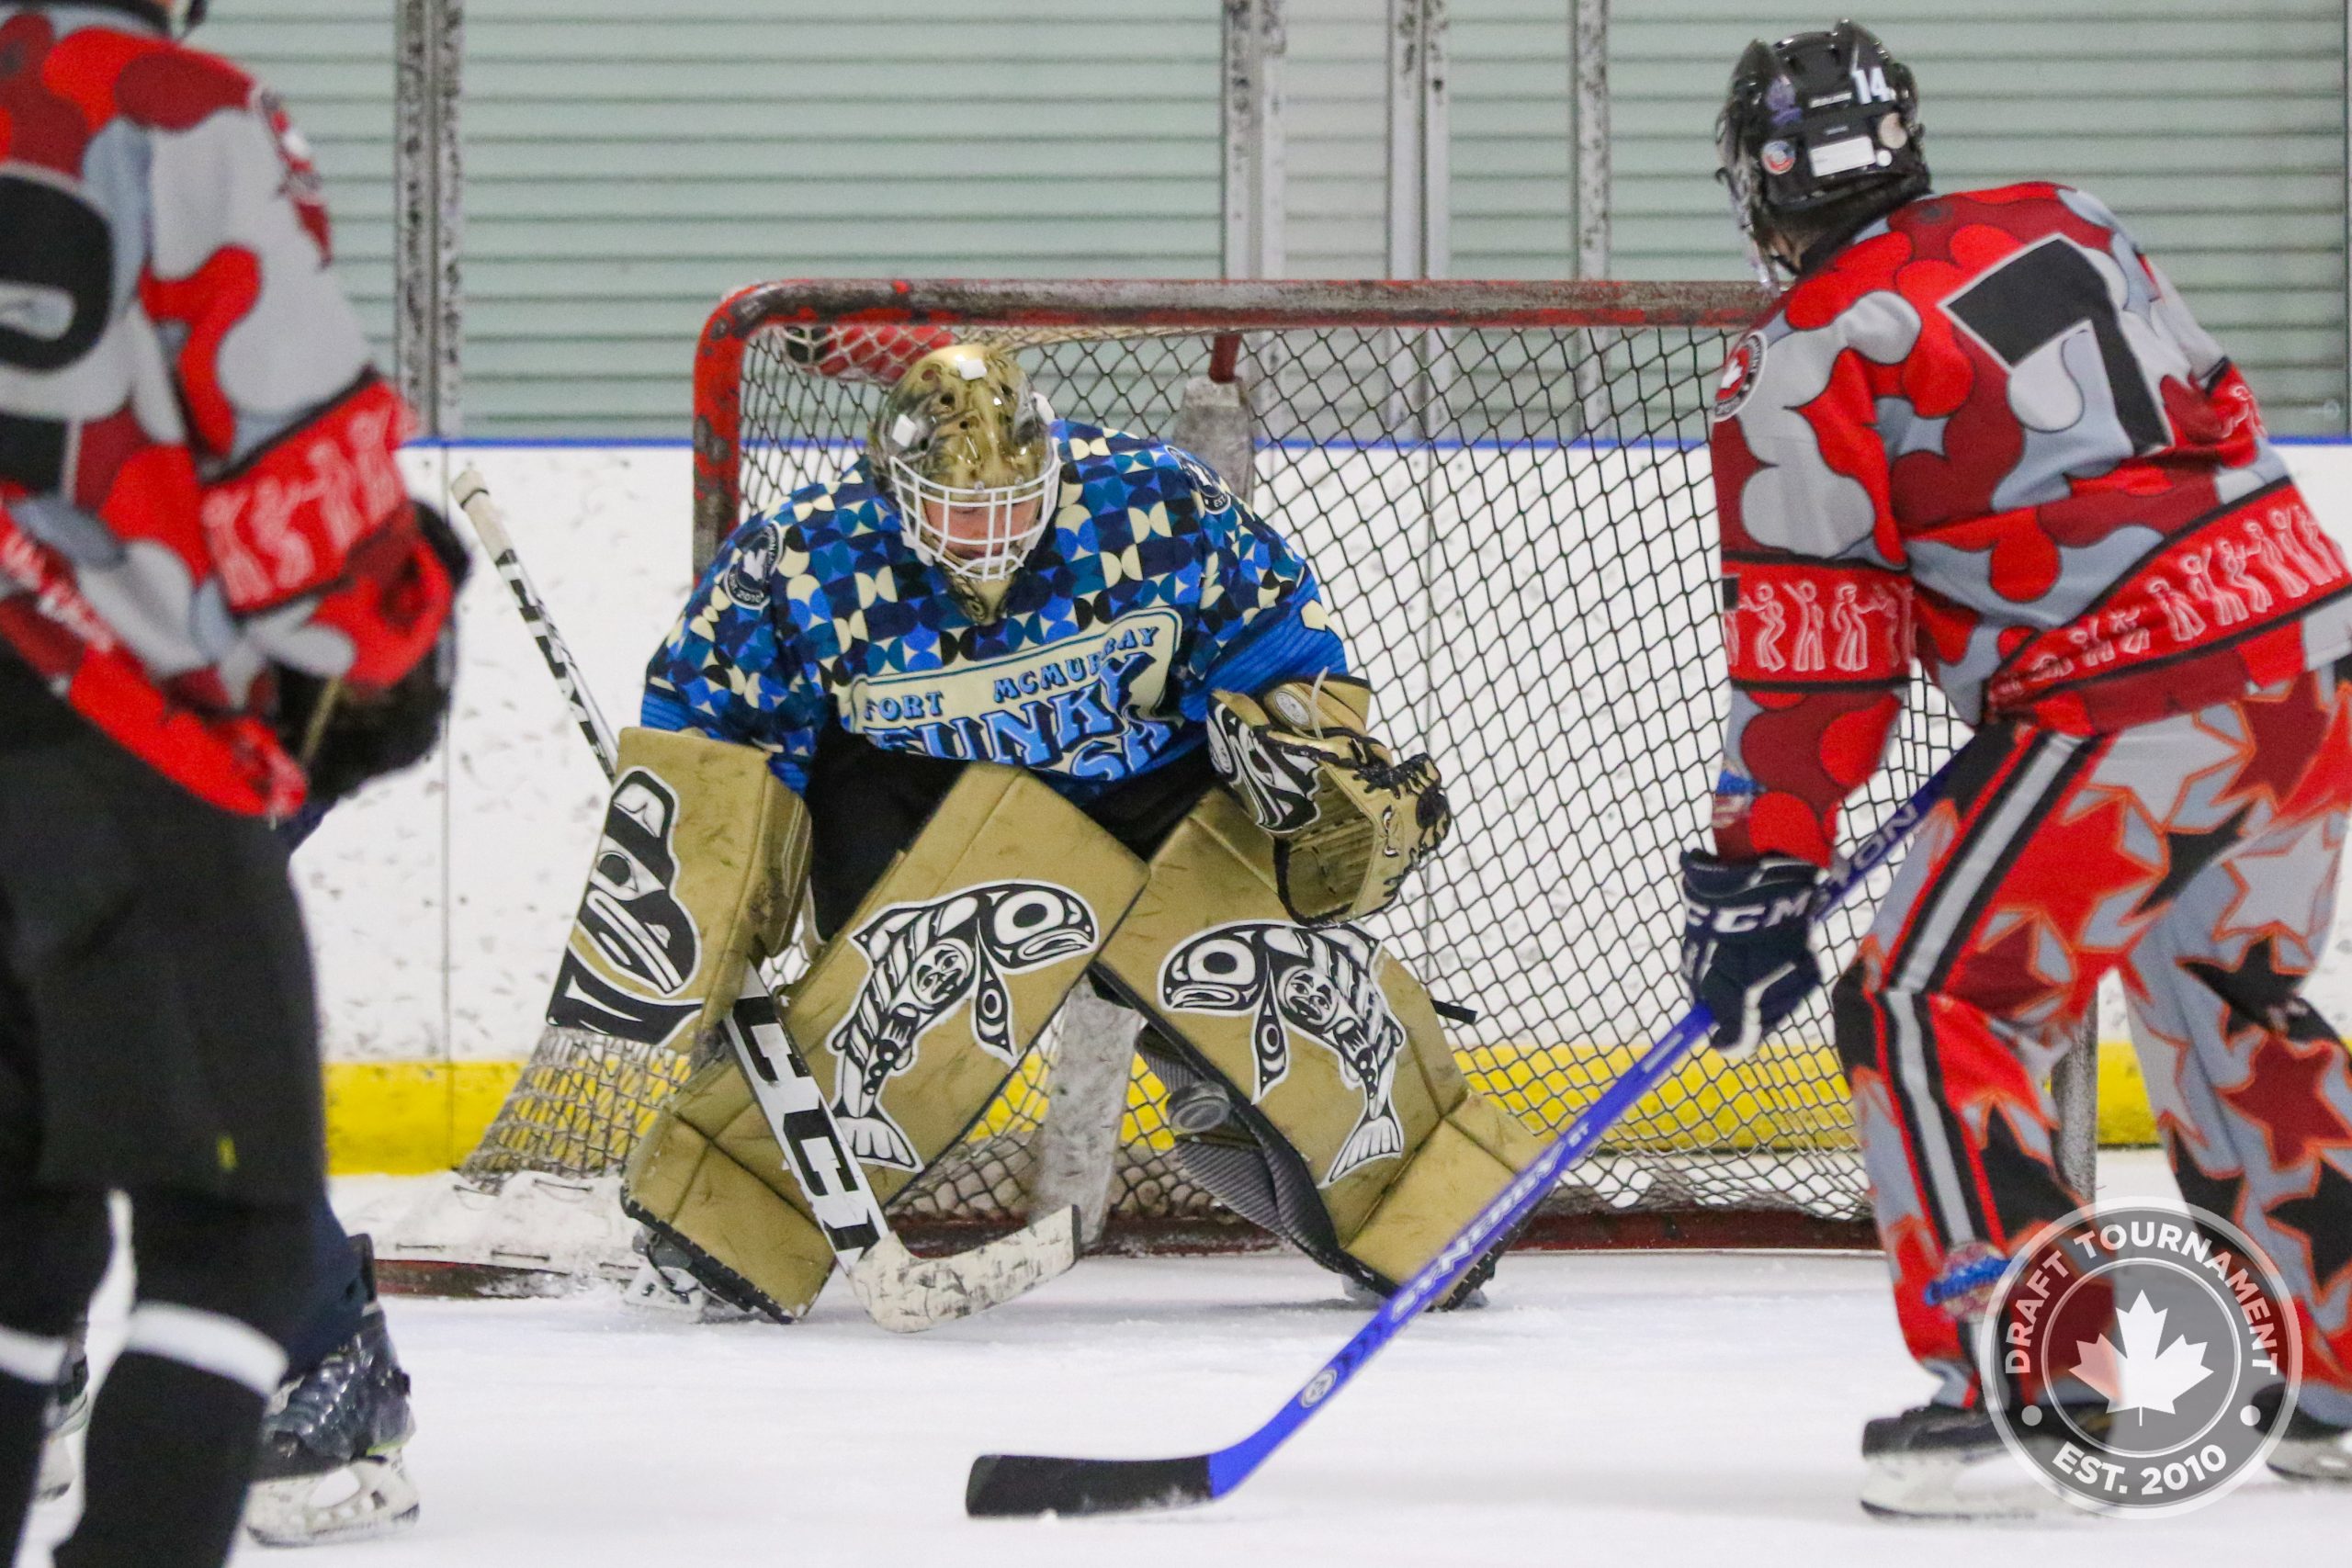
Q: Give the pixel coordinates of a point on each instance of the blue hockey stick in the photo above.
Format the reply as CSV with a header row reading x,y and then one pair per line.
x,y
1021,1485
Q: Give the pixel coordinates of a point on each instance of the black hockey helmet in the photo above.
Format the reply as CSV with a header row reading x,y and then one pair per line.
x,y
1817,124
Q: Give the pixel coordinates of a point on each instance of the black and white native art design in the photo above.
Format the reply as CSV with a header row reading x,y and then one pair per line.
x,y
924,961
1275,783
1324,983
631,915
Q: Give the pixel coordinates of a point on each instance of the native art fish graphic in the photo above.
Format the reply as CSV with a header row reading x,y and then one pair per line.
x,y
631,915
1324,983
1276,783
924,960
630,910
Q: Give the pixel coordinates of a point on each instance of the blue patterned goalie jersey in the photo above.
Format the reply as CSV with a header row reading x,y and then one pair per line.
x,y
1152,588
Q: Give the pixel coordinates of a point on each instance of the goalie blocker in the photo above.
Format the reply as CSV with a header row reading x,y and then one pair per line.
x,y
966,903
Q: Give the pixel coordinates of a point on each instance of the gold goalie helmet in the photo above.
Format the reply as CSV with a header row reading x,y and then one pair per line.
x,y
963,429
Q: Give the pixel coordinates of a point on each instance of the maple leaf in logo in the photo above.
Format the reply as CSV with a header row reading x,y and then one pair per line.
x,y
2146,1374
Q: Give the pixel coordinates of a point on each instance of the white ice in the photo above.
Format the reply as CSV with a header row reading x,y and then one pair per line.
x,y
1667,1409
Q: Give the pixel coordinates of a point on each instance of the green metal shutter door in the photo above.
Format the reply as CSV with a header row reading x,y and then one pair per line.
x,y
1335,138
623,172
627,165
2216,133
1512,169
332,61
1514,147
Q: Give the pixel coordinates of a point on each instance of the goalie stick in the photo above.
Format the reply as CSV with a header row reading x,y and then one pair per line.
x,y
898,1290
1023,1485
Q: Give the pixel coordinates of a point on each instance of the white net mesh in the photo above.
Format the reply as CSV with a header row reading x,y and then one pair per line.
x,y
1506,496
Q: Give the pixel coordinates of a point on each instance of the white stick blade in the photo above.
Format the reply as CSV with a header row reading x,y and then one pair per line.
x,y
907,1294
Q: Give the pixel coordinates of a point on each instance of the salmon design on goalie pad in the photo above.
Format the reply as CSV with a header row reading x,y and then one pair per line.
x,y
927,959
1324,983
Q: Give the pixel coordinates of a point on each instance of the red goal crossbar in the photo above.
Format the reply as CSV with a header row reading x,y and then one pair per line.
x,y
1205,305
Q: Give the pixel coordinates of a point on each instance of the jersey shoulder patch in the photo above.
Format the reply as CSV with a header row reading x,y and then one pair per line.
x,y
1206,482
1739,379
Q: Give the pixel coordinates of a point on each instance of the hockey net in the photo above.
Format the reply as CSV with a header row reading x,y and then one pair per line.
x,y
1504,488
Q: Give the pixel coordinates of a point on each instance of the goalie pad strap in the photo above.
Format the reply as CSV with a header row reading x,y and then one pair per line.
x,y
699,872
1230,1149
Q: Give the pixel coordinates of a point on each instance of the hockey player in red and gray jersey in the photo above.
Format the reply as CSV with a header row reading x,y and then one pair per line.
x,y
1982,430
217,602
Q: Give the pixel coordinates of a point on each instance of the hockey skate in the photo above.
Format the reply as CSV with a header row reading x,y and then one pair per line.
x,y
1937,1461
67,1415
330,1467
2310,1448
666,1285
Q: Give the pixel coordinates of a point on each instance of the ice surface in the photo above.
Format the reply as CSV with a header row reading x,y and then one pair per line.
x,y
1665,1408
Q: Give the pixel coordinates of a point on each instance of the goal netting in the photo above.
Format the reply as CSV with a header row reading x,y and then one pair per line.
x,y
1504,490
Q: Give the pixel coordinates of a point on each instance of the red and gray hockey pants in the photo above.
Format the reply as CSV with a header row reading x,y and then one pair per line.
x,y
2195,856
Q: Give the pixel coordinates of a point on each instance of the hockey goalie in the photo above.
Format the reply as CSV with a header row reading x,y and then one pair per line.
x,y
1026,714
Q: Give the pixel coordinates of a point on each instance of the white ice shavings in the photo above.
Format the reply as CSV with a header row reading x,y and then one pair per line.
x,y
1796,503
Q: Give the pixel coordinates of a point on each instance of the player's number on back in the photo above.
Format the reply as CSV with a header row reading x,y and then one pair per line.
x,y
2040,294
56,295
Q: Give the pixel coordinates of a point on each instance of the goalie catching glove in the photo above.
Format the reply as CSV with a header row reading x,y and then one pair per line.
x,y
1350,822
1745,943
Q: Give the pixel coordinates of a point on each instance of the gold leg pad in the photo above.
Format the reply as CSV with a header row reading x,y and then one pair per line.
x,y
710,1171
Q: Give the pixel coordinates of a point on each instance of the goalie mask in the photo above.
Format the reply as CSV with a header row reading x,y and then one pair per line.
x,y
964,447
1815,127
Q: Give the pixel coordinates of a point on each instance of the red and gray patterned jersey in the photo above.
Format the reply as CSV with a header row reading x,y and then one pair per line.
x,y
1987,433
197,474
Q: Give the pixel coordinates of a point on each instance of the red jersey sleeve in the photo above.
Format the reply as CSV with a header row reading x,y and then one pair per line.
x,y
301,503
1816,605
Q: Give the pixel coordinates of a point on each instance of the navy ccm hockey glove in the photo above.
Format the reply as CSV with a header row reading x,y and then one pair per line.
x,y
1743,943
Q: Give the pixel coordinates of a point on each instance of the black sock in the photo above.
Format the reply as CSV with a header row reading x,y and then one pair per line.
x,y
338,1299
171,1452
20,1409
